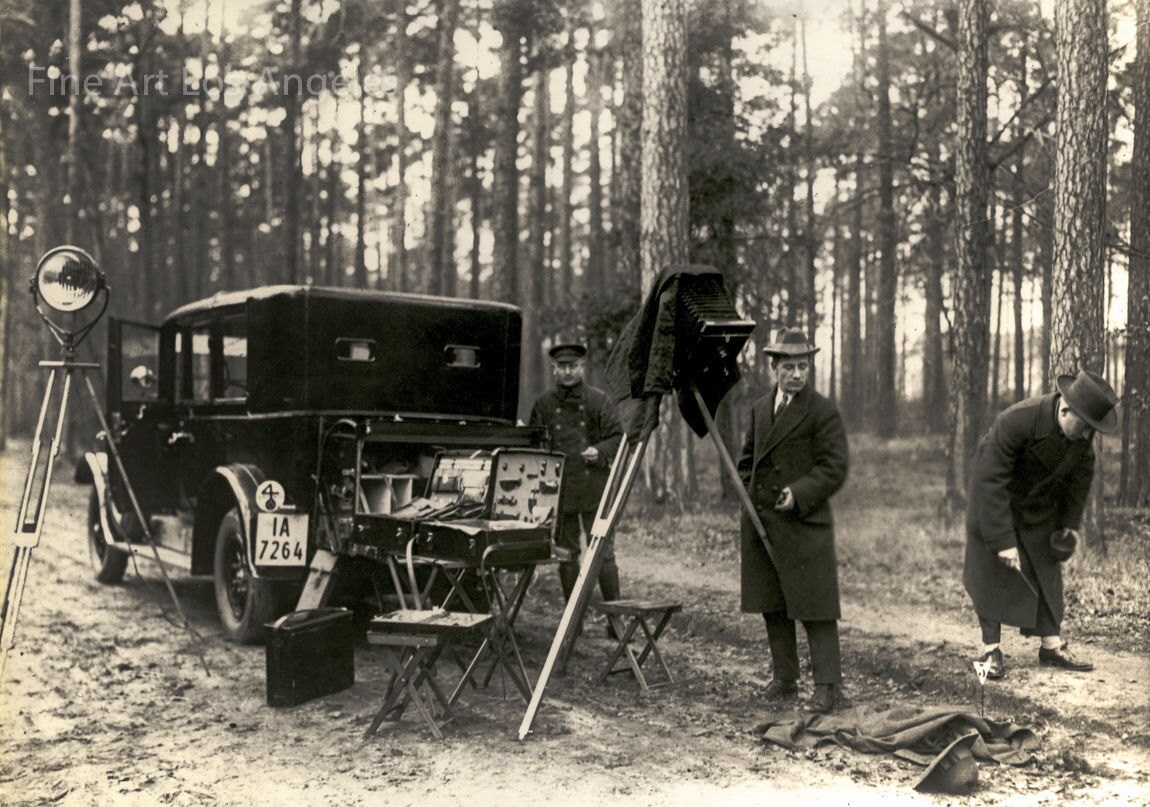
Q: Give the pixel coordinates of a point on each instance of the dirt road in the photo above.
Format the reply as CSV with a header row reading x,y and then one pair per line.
x,y
106,701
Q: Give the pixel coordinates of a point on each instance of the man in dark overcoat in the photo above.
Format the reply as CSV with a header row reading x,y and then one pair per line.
x,y
583,425
1032,475
794,459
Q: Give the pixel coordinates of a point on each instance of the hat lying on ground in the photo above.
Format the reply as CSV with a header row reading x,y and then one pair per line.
x,y
952,771
1063,543
567,352
1091,398
790,342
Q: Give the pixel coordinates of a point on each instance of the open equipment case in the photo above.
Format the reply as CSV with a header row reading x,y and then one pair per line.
x,y
498,507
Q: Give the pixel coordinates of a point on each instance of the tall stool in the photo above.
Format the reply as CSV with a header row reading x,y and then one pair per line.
x,y
413,641
626,616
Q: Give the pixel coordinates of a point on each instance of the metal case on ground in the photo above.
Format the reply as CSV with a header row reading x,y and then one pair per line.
x,y
309,654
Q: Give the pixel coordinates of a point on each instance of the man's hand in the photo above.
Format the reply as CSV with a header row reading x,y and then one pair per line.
x,y
590,455
1009,558
786,500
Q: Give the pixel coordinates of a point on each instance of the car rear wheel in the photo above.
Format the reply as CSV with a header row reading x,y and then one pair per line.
x,y
244,602
109,563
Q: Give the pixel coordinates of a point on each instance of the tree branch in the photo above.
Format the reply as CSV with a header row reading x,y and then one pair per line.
x,y
929,30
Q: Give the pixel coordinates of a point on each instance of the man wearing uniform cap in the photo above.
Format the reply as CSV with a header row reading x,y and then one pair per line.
x,y
1031,478
583,425
794,459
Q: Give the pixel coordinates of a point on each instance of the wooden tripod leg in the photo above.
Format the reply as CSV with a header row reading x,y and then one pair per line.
x,y
615,495
729,466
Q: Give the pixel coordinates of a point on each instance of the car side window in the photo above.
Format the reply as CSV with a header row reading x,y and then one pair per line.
x,y
235,357
140,358
193,365
201,365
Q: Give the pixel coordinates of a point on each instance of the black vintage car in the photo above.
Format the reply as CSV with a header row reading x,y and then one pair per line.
x,y
267,433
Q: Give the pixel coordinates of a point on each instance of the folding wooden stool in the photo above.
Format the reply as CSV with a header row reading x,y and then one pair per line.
x,y
636,614
414,641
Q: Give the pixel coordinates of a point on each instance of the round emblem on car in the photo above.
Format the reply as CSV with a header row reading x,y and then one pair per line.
x,y
270,496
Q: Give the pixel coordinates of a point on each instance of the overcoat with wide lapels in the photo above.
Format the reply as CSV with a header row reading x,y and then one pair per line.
x,y
1028,481
805,450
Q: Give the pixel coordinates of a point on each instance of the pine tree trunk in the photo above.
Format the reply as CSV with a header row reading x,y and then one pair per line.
x,y
361,163
533,328
397,264
506,179
441,249
934,397
851,384
810,235
5,282
71,202
475,120
595,279
1078,320
972,275
791,243
315,188
1017,233
1136,398
294,172
625,203
664,213
566,208
887,397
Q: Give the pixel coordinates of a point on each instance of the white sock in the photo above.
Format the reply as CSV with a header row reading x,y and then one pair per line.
x,y
1051,642
990,648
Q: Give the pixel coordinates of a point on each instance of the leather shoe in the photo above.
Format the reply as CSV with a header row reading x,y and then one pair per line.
x,y
823,701
782,689
997,665
1062,657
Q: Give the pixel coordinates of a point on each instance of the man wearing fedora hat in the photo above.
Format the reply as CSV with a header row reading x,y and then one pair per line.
x,y
583,424
794,459
1031,477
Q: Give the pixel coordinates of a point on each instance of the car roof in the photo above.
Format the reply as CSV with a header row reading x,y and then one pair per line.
x,y
225,299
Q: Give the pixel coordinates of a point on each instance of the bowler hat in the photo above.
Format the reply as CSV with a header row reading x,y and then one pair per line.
x,y
790,342
952,771
569,351
1063,543
1091,398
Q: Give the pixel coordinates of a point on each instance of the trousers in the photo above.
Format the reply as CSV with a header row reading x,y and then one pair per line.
x,y
1044,625
567,536
822,638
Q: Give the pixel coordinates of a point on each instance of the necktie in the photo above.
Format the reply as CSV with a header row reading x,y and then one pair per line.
x,y
782,405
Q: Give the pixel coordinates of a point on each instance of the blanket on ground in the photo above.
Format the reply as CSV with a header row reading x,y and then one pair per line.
x,y
917,734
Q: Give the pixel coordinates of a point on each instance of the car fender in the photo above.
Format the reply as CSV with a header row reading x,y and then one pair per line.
x,y
93,470
227,486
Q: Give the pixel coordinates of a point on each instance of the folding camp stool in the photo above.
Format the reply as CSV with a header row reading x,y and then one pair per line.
x,y
413,641
505,597
637,613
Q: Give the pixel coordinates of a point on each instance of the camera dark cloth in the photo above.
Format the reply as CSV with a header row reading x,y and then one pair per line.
x,y
1029,480
915,734
642,364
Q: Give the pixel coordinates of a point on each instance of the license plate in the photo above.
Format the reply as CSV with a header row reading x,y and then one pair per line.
x,y
281,539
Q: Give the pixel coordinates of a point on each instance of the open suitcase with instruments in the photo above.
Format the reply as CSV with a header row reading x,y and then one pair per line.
x,y
496,506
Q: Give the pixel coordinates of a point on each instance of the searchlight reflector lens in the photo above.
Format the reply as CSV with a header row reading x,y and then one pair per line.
x,y
68,279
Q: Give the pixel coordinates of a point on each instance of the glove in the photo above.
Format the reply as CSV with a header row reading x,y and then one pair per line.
x,y
1010,559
